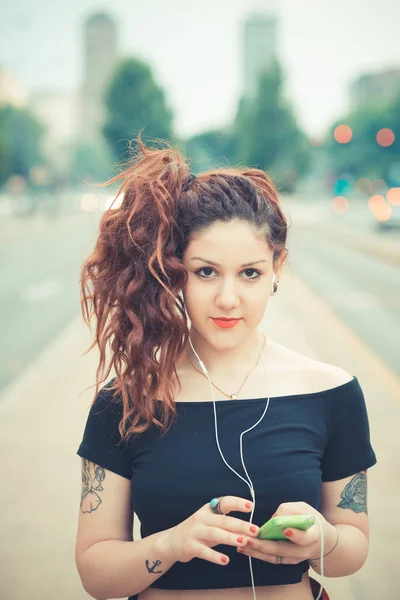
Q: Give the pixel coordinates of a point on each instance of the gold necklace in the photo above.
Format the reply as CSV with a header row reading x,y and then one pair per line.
x,y
233,396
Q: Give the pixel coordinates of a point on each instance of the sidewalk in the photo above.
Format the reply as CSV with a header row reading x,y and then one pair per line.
x,y
382,246
317,216
42,420
13,229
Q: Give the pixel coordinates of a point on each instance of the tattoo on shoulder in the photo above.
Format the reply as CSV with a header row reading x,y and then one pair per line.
x,y
156,563
92,478
354,495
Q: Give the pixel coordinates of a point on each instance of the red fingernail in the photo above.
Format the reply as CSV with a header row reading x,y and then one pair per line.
x,y
224,559
240,540
253,529
248,504
289,533
249,542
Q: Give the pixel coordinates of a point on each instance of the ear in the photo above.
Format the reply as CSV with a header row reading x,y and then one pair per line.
x,y
278,265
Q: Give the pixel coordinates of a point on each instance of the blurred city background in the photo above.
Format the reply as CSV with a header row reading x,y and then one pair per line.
x,y
308,91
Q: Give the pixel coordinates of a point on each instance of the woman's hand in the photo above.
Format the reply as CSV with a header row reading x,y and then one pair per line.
x,y
304,544
194,537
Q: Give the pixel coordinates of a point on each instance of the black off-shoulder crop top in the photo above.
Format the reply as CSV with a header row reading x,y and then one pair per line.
x,y
302,441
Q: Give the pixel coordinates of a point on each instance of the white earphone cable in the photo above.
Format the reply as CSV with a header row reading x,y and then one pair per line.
x,y
251,487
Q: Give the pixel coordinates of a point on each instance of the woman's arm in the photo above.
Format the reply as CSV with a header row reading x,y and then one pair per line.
x,y
344,506
348,556
118,569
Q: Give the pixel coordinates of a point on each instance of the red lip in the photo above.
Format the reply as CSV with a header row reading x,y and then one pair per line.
x,y
226,323
225,319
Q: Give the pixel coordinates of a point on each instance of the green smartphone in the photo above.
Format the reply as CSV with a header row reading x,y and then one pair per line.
x,y
274,528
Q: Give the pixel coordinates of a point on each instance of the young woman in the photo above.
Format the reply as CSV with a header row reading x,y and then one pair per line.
x,y
209,427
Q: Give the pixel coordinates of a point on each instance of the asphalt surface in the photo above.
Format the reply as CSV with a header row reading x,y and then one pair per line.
x,y
43,407
40,263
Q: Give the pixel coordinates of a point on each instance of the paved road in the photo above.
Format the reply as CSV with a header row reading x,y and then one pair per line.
x,y
39,285
44,407
39,282
362,290
43,411
42,416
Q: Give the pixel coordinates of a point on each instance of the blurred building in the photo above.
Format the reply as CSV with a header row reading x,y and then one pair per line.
x,y
380,87
259,48
100,58
10,91
58,112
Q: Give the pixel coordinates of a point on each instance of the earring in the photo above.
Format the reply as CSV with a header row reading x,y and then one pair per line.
x,y
275,286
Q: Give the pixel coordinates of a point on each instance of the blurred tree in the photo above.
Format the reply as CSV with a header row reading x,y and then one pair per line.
x,y
135,102
211,149
267,133
393,163
5,154
362,156
89,164
20,139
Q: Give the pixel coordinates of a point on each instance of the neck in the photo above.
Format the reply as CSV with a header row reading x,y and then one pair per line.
x,y
221,362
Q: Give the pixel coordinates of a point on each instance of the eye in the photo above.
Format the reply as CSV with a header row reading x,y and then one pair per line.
x,y
204,269
253,271
245,271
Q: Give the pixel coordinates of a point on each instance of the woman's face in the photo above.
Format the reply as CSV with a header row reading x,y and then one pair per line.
x,y
212,290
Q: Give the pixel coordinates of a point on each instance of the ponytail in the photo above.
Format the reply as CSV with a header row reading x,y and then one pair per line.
x,y
135,279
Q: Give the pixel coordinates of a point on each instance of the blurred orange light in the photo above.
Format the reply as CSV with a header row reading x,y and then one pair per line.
x,y
393,196
383,212
375,201
385,137
343,134
340,205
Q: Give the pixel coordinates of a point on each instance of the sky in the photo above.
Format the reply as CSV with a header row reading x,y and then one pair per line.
x,y
194,50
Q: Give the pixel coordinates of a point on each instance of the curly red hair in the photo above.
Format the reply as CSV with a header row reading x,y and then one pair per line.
x,y
133,279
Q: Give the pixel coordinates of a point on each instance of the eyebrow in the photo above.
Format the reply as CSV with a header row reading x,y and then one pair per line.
x,y
218,265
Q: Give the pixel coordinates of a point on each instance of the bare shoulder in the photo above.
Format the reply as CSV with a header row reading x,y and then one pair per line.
x,y
310,374
328,375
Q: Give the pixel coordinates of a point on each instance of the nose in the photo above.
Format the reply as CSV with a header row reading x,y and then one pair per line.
x,y
227,297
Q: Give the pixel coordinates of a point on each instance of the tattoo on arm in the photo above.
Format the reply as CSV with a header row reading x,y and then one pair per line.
x,y
156,563
354,495
92,478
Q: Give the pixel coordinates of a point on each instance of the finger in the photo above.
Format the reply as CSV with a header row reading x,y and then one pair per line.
x,y
302,538
215,536
274,548
270,558
293,508
235,525
205,553
229,504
